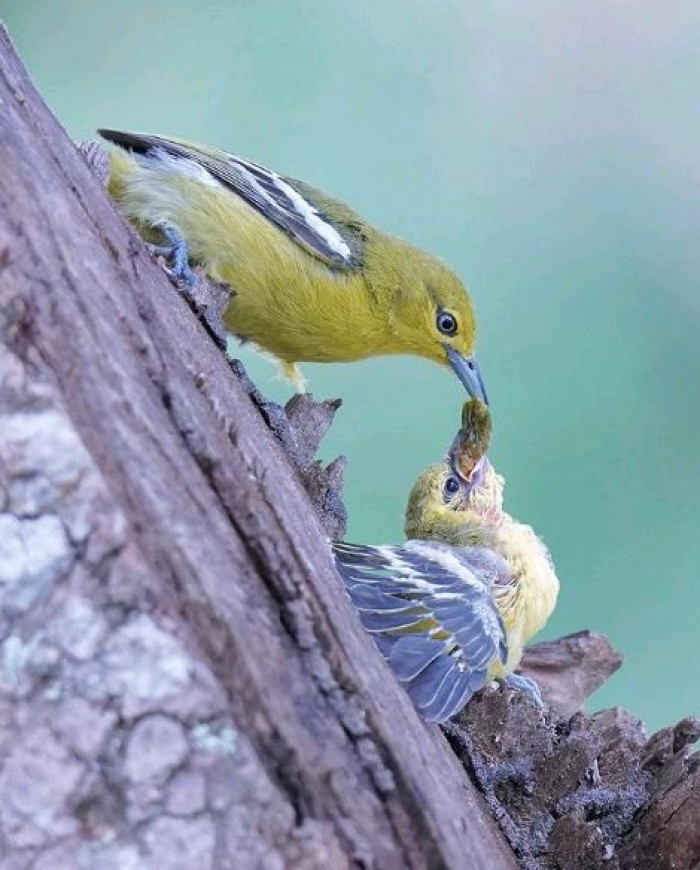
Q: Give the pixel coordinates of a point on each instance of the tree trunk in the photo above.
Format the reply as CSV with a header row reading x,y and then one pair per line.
x,y
183,682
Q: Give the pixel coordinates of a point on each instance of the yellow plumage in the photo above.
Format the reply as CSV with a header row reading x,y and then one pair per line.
x,y
313,281
455,604
478,520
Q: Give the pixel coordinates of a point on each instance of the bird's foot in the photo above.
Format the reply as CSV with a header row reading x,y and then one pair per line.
x,y
525,684
177,255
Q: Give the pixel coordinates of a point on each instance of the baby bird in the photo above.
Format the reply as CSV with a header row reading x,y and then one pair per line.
x,y
453,607
313,280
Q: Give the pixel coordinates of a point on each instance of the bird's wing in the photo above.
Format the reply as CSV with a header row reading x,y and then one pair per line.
x,y
432,613
288,204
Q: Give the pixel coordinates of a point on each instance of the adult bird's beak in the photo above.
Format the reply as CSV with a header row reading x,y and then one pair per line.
x,y
467,370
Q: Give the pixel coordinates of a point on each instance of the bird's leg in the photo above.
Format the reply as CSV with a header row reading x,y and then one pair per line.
x,y
292,372
177,254
525,684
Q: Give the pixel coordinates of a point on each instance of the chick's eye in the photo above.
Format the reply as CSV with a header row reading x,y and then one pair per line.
x,y
446,323
451,486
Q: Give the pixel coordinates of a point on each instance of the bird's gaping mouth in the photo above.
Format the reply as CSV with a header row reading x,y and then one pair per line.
x,y
467,370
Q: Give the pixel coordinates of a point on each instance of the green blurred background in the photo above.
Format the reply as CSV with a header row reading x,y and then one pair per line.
x,y
549,152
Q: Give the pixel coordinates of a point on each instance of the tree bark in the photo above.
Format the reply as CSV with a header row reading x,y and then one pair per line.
x,y
183,682
569,669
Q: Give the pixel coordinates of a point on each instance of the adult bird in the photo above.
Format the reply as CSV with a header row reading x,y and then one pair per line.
x,y
313,281
453,607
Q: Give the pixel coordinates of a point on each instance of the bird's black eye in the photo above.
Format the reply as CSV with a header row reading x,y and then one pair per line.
x,y
446,323
451,486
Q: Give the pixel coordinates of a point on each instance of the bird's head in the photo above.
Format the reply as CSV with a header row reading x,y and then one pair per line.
x,y
442,504
435,319
462,489
436,492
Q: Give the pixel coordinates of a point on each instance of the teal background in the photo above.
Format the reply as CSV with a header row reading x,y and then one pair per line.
x,y
549,151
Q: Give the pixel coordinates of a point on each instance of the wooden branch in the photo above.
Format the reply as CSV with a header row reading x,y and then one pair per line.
x,y
183,681
587,791
667,833
569,669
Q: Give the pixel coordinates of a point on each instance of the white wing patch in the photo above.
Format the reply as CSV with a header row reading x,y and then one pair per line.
x,y
303,209
172,163
446,559
336,243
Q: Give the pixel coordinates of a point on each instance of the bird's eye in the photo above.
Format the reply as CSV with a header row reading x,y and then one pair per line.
x,y
446,323
451,486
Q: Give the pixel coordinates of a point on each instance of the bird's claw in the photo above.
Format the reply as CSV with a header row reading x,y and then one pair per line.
x,y
525,684
177,254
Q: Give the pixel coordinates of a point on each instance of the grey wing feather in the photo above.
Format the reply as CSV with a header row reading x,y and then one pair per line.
x,y
430,606
272,195
412,653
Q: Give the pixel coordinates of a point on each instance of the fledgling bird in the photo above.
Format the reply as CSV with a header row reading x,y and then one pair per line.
x,y
453,607
313,281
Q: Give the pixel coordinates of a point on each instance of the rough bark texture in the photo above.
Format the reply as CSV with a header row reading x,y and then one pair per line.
x,y
183,682
570,669
590,791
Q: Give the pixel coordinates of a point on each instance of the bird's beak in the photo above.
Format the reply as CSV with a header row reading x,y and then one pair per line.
x,y
467,370
476,477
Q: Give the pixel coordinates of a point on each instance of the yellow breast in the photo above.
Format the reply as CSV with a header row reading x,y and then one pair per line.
x,y
528,602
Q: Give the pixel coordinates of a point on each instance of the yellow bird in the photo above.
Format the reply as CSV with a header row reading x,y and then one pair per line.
x,y
453,607
313,280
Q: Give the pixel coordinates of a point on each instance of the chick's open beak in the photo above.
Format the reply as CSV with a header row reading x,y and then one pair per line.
x,y
467,370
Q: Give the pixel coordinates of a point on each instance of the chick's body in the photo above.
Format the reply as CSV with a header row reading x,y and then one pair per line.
x,y
474,517
454,606
313,281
